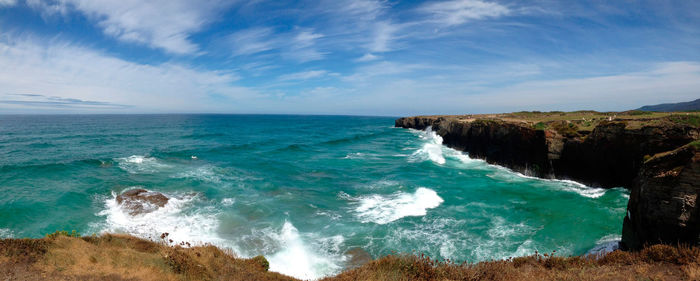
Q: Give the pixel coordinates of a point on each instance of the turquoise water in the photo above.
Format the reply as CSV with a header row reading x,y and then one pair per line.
x,y
300,190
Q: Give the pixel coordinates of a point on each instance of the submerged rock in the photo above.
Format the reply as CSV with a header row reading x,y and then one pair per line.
x,y
358,257
139,201
663,206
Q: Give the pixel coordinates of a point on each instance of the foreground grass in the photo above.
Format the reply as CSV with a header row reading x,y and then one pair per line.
x,y
123,257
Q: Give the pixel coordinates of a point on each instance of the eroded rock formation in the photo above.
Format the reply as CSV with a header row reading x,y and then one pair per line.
x,y
663,206
139,201
609,156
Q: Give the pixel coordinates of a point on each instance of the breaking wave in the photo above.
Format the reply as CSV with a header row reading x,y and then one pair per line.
x,y
138,164
383,209
432,148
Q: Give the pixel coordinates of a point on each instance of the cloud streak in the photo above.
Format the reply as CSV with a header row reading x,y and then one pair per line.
x,y
79,75
42,101
456,12
161,24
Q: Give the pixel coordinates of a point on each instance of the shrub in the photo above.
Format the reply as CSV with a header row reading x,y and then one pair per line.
x,y
62,233
262,262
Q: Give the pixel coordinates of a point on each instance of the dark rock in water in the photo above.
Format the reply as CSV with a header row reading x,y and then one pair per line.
x,y
139,201
358,257
663,206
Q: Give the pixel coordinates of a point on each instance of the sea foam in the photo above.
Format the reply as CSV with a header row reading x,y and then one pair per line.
x,y
137,164
175,218
431,149
383,209
299,259
6,233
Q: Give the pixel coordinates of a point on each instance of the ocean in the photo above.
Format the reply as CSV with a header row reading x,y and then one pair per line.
x,y
300,190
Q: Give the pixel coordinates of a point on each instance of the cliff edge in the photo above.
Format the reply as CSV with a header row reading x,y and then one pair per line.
x,y
597,149
663,206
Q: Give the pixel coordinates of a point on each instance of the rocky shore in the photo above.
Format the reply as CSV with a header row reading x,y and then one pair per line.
x,y
650,155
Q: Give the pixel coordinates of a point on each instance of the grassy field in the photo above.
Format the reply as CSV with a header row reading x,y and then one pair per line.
x,y
579,123
122,257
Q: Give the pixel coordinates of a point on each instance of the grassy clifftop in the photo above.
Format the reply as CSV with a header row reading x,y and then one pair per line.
x,y
585,120
123,257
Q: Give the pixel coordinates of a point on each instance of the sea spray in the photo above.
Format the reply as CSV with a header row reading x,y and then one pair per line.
x,y
385,209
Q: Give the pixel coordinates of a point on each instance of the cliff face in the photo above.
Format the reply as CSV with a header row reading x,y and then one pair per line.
x,y
610,156
663,205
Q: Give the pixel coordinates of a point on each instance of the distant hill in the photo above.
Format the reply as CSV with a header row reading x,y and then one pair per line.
x,y
667,107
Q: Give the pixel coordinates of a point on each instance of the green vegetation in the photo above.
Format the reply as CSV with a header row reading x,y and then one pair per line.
x,y
692,120
62,233
540,126
580,123
695,144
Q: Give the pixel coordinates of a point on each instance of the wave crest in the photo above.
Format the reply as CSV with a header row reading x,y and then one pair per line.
x,y
385,209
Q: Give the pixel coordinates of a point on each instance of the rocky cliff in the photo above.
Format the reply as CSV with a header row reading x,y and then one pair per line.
x,y
663,205
609,156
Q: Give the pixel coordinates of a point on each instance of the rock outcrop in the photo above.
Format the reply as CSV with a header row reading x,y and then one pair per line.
x,y
663,206
357,257
139,201
609,156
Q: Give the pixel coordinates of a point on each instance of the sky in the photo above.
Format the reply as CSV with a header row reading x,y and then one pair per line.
x,y
361,57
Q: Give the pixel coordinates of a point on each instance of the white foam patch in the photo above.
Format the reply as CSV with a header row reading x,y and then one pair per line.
x,y
503,236
607,244
176,218
355,155
444,234
431,150
137,164
297,259
204,173
383,209
6,233
228,201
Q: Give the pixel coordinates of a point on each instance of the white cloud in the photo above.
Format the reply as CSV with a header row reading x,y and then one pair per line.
x,y
298,45
252,41
455,12
383,36
303,47
66,72
162,24
664,82
305,75
367,57
8,2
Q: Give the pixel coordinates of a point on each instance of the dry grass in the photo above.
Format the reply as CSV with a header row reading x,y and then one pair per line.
x,y
585,120
122,257
659,262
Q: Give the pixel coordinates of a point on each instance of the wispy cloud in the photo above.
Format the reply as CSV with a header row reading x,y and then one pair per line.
x,y
367,57
162,24
298,45
303,75
384,33
42,101
455,12
76,74
8,2
252,41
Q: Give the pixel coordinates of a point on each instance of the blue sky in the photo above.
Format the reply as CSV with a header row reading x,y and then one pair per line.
x,y
345,57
